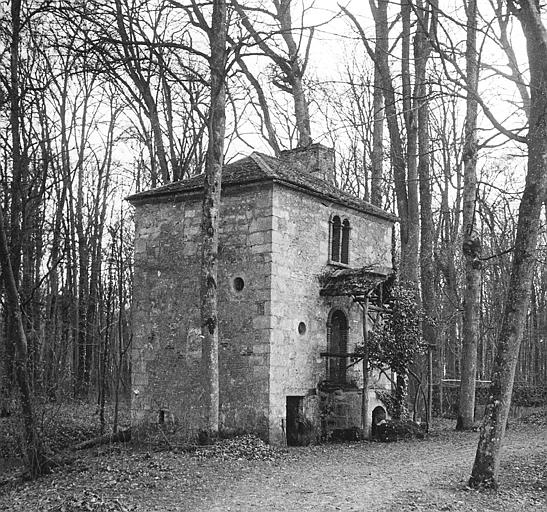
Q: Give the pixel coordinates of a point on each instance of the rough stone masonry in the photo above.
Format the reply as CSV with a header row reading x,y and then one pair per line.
x,y
275,242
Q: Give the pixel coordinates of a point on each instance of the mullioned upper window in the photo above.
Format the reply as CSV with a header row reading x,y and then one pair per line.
x,y
339,240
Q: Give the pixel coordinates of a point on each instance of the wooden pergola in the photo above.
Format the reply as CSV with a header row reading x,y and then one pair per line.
x,y
365,286
358,283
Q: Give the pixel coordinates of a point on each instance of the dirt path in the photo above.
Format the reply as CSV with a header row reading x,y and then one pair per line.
x,y
418,475
359,477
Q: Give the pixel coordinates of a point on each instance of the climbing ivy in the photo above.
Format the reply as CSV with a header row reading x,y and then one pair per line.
x,y
396,340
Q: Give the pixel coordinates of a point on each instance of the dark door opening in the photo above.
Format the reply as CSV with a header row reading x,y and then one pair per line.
x,y
294,410
378,419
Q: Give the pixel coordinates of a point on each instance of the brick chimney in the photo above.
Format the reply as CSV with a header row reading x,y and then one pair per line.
x,y
315,159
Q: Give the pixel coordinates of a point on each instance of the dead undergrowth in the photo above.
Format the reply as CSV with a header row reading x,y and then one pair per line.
x,y
62,424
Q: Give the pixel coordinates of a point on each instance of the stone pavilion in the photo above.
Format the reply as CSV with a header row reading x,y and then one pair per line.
x,y
288,325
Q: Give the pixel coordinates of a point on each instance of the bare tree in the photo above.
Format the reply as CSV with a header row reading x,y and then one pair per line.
x,y
487,459
377,156
133,59
471,245
36,461
403,163
10,259
403,144
426,23
289,64
210,216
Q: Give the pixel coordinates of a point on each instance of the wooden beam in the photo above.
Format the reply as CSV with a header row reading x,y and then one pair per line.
x,y
338,354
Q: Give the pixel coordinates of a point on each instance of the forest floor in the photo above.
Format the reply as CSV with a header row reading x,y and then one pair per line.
x,y
416,475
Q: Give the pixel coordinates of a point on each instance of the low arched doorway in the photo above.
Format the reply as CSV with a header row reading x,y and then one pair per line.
x,y
379,416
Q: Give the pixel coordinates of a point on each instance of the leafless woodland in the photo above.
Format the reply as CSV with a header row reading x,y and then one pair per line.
x,y
436,113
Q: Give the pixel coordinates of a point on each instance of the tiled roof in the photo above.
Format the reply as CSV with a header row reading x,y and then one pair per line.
x,y
259,167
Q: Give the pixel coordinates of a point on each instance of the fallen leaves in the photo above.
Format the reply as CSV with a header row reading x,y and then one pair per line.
x,y
88,501
538,418
243,472
246,447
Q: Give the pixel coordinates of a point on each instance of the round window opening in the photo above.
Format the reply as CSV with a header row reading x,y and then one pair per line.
x,y
301,328
239,284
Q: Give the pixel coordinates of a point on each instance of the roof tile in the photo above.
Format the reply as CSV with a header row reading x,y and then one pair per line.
x,y
259,167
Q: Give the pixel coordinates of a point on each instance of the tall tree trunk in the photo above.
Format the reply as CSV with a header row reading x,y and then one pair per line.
x,y
36,462
292,67
487,461
411,244
377,156
406,183
34,453
405,190
447,257
17,183
471,245
419,167
270,134
84,343
301,111
427,274
53,319
210,220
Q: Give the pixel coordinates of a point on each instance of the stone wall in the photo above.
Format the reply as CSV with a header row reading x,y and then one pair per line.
x,y
300,245
274,244
166,355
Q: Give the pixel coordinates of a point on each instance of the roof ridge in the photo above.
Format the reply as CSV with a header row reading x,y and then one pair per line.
x,y
259,167
286,175
256,157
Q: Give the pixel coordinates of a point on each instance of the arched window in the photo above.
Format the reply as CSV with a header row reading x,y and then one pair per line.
x,y
337,346
336,227
344,253
339,240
